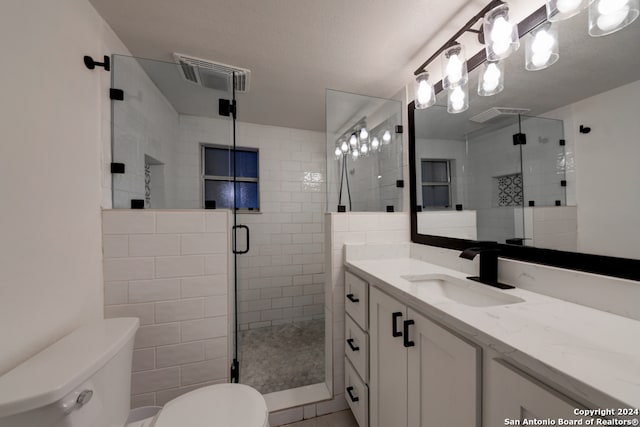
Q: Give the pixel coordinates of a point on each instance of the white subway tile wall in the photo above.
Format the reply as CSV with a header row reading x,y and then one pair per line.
x,y
158,267
280,279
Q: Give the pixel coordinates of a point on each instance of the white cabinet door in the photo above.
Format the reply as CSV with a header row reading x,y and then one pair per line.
x,y
511,395
388,362
443,381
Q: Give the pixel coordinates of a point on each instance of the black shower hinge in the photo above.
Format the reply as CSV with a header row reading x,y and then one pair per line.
x,y
91,64
117,167
563,142
235,371
227,107
390,208
519,139
563,183
399,129
400,183
116,94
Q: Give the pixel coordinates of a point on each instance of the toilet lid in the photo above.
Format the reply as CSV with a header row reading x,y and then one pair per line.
x,y
227,405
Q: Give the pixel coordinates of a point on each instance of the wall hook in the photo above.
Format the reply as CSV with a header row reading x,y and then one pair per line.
x,y
91,64
584,129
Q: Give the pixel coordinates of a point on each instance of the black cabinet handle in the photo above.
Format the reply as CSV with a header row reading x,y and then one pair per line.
x,y
394,324
405,340
351,396
352,298
235,249
353,347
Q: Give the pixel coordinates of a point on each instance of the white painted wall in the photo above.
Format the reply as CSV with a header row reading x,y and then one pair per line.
x,y
54,114
606,170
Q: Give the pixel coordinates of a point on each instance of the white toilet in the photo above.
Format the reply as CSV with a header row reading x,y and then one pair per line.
x,y
84,380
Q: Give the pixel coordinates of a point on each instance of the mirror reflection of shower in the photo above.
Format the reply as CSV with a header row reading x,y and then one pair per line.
x,y
364,153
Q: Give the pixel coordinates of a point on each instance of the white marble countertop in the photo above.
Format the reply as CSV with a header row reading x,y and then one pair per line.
x,y
593,354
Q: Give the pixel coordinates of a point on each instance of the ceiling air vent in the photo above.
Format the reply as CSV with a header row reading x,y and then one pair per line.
x,y
212,75
494,112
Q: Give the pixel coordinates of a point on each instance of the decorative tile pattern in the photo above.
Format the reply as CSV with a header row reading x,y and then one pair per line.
x,y
510,190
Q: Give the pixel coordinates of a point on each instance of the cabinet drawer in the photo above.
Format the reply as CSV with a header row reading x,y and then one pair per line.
x,y
356,300
356,347
357,394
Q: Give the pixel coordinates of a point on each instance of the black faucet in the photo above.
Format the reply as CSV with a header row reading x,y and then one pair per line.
x,y
488,263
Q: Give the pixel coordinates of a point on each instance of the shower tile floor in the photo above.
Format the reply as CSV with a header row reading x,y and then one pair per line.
x,y
281,357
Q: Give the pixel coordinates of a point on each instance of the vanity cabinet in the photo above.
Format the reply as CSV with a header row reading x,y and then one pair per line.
x,y
513,395
356,347
420,373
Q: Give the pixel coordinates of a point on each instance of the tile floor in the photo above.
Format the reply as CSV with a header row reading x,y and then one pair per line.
x,y
337,419
282,357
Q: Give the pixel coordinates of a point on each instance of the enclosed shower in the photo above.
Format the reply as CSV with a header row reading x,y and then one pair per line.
x,y
179,145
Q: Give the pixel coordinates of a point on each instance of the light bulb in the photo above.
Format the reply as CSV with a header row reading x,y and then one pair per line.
x,y
375,143
364,148
353,140
355,154
609,21
501,35
344,147
424,92
568,6
386,136
454,69
608,7
457,98
338,152
542,48
364,134
491,78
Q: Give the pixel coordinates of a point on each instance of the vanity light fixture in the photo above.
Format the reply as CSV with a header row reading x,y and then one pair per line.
x,y
541,47
608,16
491,81
500,35
425,94
454,67
559,10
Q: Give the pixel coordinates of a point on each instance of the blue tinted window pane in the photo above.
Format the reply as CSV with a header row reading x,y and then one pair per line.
x,y
247,195
434,171
222,193
247,164
217,162
435,196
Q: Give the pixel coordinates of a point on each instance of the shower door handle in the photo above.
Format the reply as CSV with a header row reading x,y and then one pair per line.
x,y
406,341
235,233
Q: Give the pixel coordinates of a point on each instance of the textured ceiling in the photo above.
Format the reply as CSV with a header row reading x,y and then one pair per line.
x,y
295,48
587,66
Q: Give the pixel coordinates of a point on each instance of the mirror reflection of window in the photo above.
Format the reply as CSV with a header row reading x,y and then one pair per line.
x,y
436,184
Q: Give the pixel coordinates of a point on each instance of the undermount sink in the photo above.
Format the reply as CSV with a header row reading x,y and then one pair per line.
x,y
462,291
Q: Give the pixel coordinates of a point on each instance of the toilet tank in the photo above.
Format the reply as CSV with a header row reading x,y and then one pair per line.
x,y
82,380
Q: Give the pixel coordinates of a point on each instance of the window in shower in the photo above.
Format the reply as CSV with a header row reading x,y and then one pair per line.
x,y
218,170
436,184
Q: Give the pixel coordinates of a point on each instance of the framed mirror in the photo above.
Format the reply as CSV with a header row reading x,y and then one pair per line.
x,y
548,168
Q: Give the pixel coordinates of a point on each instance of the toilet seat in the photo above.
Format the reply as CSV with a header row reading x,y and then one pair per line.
x,y
224,405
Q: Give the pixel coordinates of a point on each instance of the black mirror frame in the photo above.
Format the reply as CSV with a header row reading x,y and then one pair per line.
x,y
624,268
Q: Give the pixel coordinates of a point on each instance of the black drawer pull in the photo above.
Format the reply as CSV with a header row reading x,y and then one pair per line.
x,y
394,324
353,347
406,341
351,396
352,298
